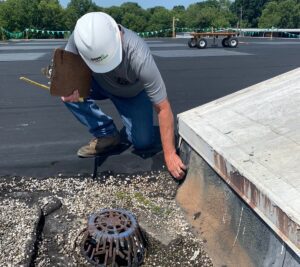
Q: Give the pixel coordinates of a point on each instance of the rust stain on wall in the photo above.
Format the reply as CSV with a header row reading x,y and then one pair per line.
x,y
197,196
284,226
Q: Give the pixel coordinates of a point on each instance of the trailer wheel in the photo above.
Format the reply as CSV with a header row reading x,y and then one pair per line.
x,y
225,42
192,43
201,43
233,42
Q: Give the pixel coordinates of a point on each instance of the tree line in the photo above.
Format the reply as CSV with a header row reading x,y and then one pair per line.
x,y
17,15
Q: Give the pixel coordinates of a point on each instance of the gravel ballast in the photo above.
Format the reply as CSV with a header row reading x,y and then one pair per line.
x,y
18,231
65,204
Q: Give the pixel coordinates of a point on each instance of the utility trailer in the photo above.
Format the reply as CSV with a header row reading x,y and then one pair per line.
x,y
199,39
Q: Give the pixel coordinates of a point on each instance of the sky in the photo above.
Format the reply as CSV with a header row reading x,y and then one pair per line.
x,y
144,4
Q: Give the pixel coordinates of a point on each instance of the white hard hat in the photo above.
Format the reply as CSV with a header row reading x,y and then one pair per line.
x,y
98,40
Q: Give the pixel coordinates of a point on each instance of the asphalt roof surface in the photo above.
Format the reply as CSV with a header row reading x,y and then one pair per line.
x,y
39,137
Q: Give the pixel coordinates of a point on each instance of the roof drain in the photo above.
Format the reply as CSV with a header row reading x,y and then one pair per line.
x,y
113,239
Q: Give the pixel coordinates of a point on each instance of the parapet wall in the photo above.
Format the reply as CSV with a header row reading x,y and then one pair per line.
x,y
251,139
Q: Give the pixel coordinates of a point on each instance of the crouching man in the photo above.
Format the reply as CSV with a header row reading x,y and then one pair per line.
x,y
124,71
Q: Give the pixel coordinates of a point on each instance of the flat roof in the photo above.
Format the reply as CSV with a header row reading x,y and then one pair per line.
x,y
40,137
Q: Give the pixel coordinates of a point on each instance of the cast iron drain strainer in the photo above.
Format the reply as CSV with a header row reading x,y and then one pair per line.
x,y
113,238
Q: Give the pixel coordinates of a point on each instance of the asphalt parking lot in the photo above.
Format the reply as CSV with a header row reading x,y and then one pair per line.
x,y
39,137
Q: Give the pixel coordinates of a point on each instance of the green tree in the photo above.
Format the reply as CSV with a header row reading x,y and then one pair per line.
x,y
225,4
179,9
50,15
116,13
133,22
76,9
179,13
270,16
2,22
16,15
161,18
208,14
290,14
248,10
281,14
134,17
129,14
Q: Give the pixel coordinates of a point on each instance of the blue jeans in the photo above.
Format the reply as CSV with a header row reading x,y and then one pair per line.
x,y
136,114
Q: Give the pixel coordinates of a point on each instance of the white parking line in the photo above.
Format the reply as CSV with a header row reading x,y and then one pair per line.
x,y
20,56
27,47
166,45
275,43
44,43
154,41
197,53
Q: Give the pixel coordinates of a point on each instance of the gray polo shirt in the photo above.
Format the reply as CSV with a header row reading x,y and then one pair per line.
x,y
137,71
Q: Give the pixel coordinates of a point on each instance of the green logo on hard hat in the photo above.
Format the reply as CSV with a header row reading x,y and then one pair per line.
x,y
99,59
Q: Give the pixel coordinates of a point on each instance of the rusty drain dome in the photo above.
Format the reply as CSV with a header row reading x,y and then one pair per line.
x,y
113,238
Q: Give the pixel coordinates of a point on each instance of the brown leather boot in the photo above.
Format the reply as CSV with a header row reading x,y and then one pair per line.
x,y
99,146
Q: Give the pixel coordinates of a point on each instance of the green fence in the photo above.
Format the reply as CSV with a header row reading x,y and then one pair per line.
x,y
30,33
168,32
34,33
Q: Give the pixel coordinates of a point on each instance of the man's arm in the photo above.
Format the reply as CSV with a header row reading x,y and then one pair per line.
x,y
166,125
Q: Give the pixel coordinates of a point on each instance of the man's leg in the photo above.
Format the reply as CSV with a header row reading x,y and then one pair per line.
x,y
100,125
137,116
90,115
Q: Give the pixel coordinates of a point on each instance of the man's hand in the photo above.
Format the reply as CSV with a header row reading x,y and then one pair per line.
x,y
74,97
175,166
166,125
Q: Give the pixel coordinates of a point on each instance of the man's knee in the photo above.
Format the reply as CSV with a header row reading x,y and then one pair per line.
x,y
142,142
